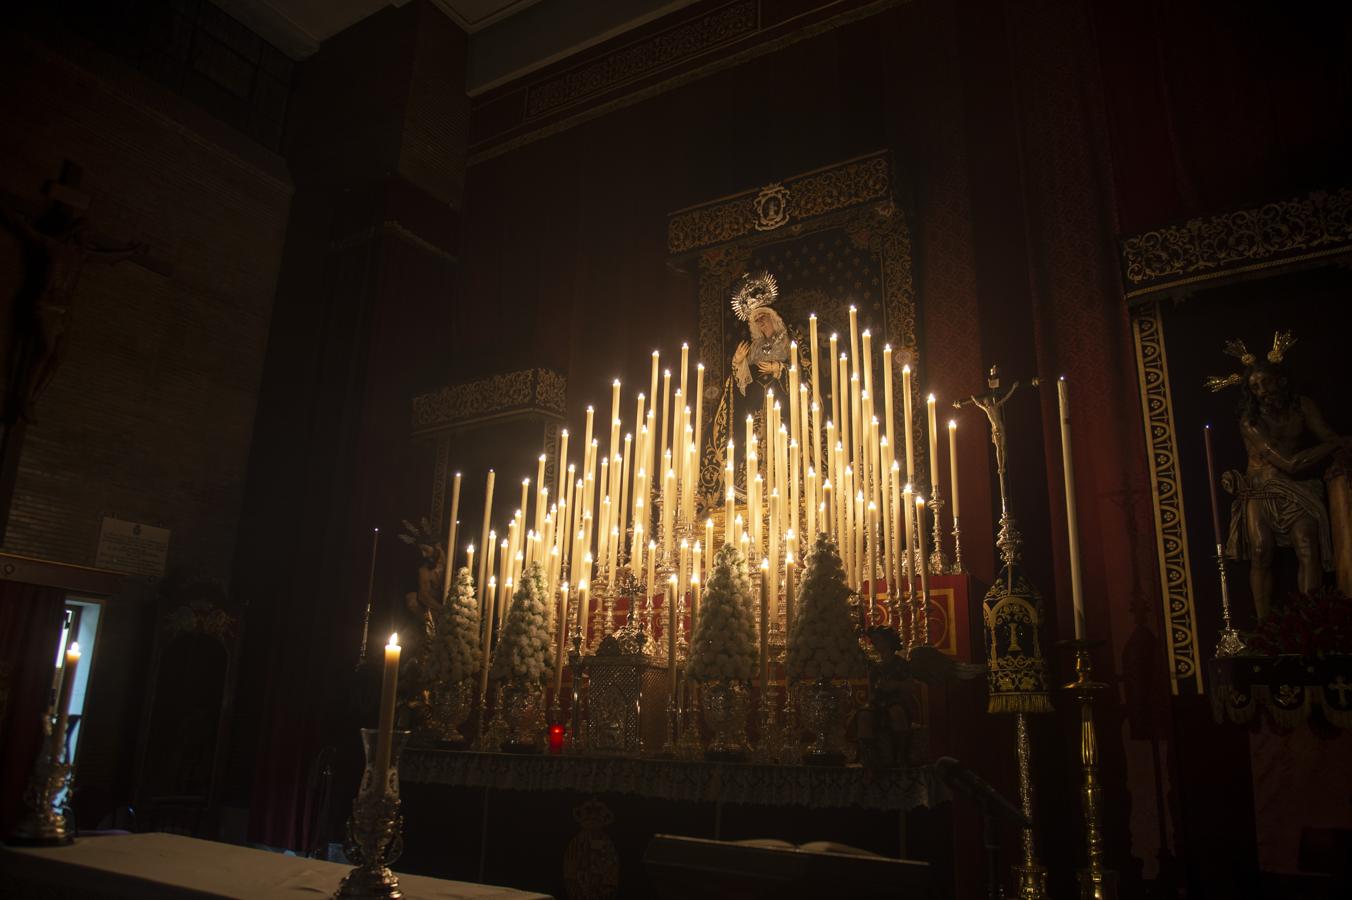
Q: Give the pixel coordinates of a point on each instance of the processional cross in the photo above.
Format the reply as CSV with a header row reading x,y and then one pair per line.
x,y
991,404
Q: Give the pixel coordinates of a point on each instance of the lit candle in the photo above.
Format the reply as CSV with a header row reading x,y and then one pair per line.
x,y
933,443
539,500
699,419
563,644
908,514
788,594
953,464
835,389
670,603
694,602
488,514
663,444
1211,481
385,735
1072,524
562,464
907,423
887,395
67,688
455,527
652,384
854,340
816,389
765,625
652,557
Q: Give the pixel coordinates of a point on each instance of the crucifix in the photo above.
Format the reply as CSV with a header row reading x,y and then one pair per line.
x,y
991,404
56,245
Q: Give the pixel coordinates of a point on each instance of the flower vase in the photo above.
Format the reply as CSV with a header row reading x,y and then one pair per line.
x,y
375,830
821,705
448,709
726,704
521,709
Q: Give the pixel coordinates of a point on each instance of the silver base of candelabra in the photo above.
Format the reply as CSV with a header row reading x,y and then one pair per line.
x,y
44,822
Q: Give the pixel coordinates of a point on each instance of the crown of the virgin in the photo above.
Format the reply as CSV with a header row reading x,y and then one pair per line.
x,y
753,292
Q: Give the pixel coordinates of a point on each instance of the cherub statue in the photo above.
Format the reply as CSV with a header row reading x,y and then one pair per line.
x,y
1279,497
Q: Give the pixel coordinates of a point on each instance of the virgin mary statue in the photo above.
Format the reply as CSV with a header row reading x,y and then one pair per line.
x,y
760,364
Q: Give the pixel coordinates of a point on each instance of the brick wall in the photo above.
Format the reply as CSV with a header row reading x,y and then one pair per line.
x,y
151,414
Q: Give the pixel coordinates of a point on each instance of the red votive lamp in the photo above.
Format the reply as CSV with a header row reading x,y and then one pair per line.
x,y
555,738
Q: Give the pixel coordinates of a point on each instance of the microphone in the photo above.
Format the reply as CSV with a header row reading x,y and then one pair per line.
x,y
962,779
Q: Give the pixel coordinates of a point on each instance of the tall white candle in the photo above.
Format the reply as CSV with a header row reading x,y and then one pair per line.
x,y
1072,522
933,442
953,464
385,733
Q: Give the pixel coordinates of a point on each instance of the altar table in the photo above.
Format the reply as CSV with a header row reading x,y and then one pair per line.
x,y
170,867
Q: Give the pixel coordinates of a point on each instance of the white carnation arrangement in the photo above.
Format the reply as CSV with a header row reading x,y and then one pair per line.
x,y
724,645
525,652
824,642
453,655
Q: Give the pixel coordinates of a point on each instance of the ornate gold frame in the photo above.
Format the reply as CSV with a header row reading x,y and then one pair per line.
x,y
1168,263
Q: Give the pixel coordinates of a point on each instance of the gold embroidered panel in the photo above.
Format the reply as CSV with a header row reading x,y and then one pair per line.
x,y
1171,529
1275,234
528,390
798,200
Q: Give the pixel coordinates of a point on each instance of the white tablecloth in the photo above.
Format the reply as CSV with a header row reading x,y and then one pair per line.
x,y
172,866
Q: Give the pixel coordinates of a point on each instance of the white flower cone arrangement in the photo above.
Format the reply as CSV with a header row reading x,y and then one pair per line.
x,y
454,653
450,660
524,656
824,643
723,653
824,647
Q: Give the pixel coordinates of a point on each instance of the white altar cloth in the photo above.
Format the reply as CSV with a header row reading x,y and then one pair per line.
x,y
173,867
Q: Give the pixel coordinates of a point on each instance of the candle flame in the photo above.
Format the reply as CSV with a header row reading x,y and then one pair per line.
x,y
765,563
929,399
953,423
74,650
906,369
394,641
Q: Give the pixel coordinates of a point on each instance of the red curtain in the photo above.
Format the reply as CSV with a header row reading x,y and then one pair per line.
x,y
30,627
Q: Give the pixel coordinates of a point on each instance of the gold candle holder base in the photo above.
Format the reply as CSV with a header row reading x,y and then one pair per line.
x,y
375,830
1030,876
1096,881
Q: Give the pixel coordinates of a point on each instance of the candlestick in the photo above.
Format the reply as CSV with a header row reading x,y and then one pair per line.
x,y
1230,643
370,589
388,687
1097,882
922,603
1072,526
908,555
